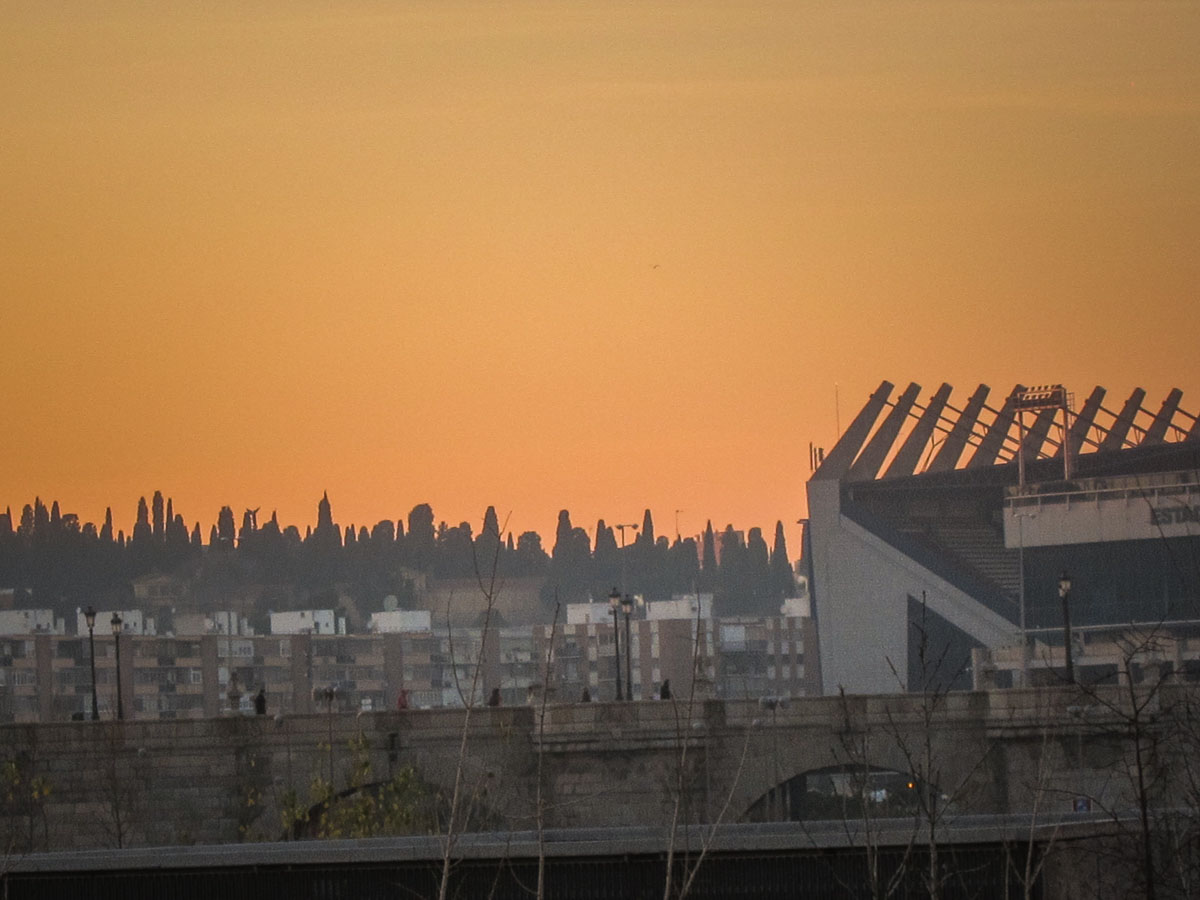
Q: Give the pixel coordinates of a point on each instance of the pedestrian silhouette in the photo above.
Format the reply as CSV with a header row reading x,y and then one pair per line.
x,y
494,699
260,702
664,692
587,696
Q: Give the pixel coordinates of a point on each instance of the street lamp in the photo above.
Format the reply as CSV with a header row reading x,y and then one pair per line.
x,y
775,800
1064,591
627,608
89,615
329,694
614,601
116,630
1021,517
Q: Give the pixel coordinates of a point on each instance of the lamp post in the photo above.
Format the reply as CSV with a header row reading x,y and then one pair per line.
x,y
1021,517
89,615
614,602
627,608
116,630
1064,591
774,802
329,694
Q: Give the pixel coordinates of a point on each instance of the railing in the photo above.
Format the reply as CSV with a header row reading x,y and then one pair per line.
x,y
1153,486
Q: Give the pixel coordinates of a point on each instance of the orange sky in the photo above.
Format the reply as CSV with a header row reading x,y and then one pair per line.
x,y
592,255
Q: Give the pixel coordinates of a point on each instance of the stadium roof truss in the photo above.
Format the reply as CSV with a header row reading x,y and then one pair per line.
x,y
1031,423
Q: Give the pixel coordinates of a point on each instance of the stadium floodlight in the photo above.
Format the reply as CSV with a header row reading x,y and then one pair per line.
x,y
1036,399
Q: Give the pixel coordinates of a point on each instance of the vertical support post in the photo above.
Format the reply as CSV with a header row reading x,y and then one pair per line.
x,y
1064,591
617,652
627,605
90,616
116,630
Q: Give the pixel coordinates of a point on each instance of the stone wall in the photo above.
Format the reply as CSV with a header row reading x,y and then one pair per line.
x,y
225,779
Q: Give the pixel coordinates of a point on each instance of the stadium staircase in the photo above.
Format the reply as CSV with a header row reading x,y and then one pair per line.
x,y
976,546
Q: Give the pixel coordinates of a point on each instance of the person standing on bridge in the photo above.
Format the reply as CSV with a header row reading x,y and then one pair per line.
x,y
664,692
494,699
260,702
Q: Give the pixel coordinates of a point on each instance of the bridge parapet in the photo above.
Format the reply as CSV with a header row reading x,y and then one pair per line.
x,y
602,764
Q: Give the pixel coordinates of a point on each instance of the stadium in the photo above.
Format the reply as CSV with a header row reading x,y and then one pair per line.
x,y
973,546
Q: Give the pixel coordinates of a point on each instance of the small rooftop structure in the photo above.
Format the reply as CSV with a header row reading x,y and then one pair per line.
x,y
680,606
30,621
393,621
306,621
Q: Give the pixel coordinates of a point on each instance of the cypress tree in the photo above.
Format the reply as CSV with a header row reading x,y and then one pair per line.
x,y
562,535
327,536
324,512
733,571
246,532
158,531
177,536
420,540
489,547
225,528
758,573
491,524
708,562
646,538
782,580
606,560
141,528
383,534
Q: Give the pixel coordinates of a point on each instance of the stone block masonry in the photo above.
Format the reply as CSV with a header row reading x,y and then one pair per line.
x,y
222,780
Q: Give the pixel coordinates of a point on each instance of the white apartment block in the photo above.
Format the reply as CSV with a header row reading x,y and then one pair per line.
x,y
306,621
30,621
399,621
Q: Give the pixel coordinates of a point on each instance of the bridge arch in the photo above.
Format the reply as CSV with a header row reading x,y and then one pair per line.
x,y
839,791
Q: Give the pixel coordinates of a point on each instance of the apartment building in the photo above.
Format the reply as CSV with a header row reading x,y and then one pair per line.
x,y
677,641
46,677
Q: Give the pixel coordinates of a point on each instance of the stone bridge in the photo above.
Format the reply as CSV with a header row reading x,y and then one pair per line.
x,y
107,784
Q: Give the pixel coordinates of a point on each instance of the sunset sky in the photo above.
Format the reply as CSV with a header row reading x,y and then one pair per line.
x,y
595,255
